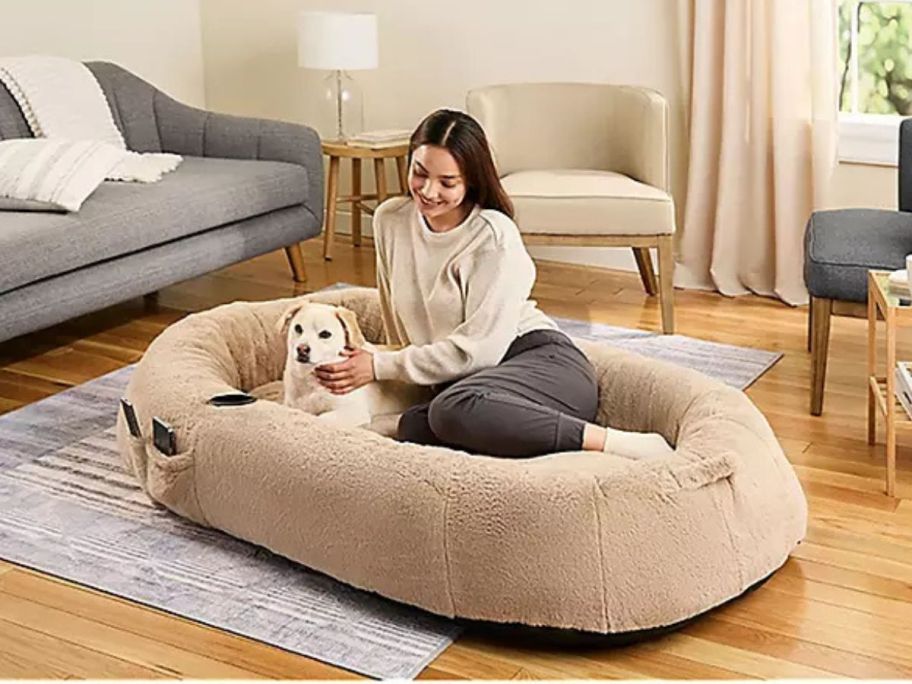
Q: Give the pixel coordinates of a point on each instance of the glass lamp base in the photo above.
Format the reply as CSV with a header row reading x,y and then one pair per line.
x,y
341,107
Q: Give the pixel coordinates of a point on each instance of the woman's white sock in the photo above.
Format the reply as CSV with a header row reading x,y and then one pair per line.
x,y
636,445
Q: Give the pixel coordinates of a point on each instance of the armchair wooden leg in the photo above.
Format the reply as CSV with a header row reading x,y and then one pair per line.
x,y
647,275
296,261
666,282
810,333
821,310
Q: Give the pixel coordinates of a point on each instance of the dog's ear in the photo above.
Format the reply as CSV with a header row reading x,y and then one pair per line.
x,y
354,338
287,315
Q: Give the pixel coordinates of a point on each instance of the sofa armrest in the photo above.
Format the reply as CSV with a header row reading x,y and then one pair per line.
x,y
905,165
190,131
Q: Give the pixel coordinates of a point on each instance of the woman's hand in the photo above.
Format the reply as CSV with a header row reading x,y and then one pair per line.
x,y
343,377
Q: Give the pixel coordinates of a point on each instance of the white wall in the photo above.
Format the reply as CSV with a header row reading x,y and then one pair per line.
x,y
159,40
432,52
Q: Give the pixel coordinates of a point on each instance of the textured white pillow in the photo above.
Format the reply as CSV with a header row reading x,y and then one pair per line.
x,y
52,174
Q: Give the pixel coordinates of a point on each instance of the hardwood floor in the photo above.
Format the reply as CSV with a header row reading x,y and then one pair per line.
x,y
842,606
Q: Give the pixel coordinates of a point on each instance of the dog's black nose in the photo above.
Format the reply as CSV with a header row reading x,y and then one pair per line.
x,y
303,352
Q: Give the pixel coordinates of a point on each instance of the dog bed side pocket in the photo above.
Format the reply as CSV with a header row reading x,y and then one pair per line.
x,y
702,472
167,480
170,480
132,449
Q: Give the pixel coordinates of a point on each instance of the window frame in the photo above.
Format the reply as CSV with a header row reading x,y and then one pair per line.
x,y
867,138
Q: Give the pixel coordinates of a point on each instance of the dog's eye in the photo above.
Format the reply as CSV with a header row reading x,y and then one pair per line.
x,y
298,329
325,334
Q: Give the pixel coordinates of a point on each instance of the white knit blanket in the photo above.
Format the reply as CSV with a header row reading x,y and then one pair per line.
x,y
60,98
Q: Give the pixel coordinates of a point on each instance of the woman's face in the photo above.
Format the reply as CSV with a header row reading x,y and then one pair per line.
x,y
436,182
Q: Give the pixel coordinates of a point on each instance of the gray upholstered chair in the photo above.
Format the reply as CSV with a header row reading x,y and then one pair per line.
x,y
840,247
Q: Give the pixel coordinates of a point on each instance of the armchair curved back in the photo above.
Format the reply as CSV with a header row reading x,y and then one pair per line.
x,y
575,126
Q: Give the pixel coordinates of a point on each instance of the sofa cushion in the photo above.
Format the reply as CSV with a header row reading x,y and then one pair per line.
x,y
120,218
841,245
587,202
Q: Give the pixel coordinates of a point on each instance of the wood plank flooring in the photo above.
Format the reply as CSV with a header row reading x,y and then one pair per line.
x,y
842,606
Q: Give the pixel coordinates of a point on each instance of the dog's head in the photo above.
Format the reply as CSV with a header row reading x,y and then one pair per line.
x,y
317,333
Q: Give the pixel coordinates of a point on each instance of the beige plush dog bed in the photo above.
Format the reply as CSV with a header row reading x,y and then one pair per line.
x,y
575,540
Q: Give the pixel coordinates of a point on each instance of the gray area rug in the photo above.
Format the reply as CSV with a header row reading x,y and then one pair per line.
x,y
68,508
735,366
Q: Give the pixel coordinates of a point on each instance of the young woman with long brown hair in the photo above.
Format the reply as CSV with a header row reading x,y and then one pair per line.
x,y
454,279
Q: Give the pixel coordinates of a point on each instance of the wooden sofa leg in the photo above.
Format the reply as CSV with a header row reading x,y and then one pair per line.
x,y
296,261
666,283
821,310
647,275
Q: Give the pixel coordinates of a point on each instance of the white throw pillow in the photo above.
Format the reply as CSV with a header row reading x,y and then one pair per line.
x,y
42,174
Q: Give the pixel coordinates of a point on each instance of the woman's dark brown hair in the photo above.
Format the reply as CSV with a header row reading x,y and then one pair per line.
x,y
464,138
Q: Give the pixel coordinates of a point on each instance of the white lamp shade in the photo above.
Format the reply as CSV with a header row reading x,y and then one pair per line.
x,y
337,40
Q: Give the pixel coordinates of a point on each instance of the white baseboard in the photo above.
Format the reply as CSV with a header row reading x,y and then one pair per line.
x,y
614,258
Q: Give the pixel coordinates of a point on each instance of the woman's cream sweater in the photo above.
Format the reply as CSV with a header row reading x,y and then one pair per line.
x,y
454,300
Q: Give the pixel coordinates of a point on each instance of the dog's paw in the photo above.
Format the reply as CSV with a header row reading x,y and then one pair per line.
x,y
386,425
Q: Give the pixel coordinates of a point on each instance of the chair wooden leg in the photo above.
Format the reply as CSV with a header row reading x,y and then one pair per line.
x,y
810,332
647,275
666,282
296,261
821,310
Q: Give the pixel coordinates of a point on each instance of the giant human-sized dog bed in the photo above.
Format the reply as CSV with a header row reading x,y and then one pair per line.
x,y
574,540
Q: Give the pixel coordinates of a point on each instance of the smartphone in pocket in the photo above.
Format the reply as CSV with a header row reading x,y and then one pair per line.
x,y
163,437
130,416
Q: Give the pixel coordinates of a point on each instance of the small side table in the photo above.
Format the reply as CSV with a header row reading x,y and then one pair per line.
x,y
337,150
884,303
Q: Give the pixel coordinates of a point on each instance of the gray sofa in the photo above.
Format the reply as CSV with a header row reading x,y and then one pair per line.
x,y
245,187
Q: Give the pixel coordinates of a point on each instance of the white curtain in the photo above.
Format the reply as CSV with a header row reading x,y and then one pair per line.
x,y
762,142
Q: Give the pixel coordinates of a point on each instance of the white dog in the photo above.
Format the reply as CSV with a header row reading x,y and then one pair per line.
x,y
316,335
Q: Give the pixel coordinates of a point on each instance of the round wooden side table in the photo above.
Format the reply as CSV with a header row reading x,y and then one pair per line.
x,y
336,151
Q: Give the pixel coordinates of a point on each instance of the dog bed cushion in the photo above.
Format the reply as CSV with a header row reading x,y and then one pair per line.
x,y
573,540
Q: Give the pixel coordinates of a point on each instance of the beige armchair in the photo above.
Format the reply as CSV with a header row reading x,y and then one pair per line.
x,y
586,165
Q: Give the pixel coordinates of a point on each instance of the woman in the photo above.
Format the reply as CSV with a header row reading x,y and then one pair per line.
x,y
454,281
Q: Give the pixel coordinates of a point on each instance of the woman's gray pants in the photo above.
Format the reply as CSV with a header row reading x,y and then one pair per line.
x,y
536,401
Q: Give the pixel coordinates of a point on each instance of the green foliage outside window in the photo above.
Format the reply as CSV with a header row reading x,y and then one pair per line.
x,y
884,54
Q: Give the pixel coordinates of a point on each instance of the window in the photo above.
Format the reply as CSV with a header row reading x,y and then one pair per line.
x,y
874,78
